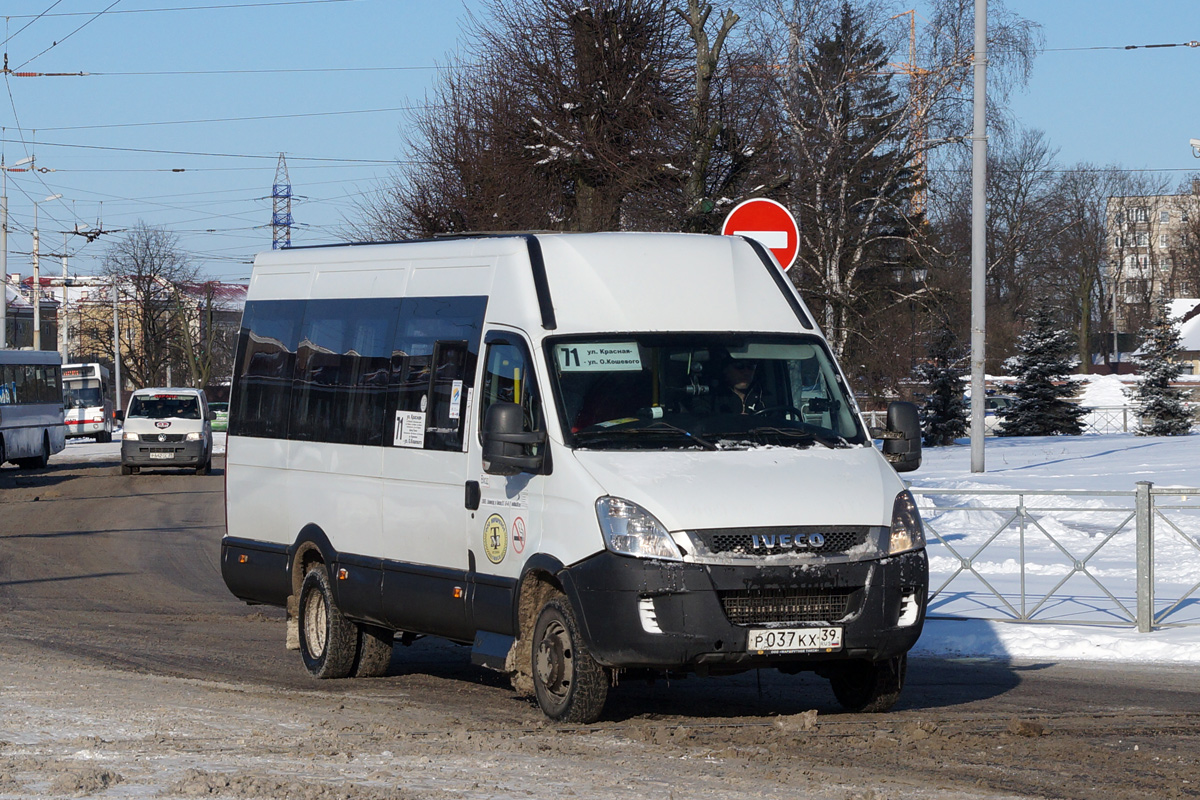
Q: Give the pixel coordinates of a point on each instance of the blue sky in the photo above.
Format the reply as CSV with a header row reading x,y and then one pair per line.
x,y
181,88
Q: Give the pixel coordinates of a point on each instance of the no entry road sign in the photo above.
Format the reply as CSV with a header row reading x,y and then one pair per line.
x,y
767,222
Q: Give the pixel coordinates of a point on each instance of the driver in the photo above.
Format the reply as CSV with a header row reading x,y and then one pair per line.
x,y
737,393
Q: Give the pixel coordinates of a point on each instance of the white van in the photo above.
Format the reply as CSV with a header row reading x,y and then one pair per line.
x,y
167,428
583,455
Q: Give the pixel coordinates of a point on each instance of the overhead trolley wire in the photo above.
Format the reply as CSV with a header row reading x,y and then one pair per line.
x,y
235,119
36,17
211,155
68,36
182,8
1121,47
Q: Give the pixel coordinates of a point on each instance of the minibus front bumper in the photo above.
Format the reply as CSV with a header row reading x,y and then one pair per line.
x,y
164,454
642,613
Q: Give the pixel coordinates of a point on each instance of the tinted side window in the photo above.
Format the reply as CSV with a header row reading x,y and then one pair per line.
x,y
266,355
341,370
433,365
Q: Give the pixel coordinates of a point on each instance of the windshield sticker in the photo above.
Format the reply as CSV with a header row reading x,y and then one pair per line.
x,y
495,538
608,357
410,429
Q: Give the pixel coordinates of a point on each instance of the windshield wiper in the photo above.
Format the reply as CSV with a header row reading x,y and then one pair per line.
x,y
654,428
830,440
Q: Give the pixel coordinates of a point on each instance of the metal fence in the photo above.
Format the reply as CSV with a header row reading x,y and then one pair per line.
x,y
1127,558
1098,419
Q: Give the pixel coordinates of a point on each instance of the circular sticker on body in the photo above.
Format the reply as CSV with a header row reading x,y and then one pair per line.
x,y
495,538
518,535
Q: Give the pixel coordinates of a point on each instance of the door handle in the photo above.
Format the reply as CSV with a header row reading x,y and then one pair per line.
x,y
473,495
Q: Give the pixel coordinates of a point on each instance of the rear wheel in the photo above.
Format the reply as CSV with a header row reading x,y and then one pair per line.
x,y
328,641
870,686
570,686
39,461
374,652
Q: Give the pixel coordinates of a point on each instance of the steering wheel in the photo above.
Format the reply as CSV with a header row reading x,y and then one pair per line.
x,y
787,412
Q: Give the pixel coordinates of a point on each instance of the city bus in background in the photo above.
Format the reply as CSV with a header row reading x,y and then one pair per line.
x,y
88,401
32,427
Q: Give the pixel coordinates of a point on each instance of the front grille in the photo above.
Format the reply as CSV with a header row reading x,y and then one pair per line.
x,y
152,438
766,606
742,541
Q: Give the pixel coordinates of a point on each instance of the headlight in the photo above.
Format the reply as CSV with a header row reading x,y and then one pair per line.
x,y
195,436
907,532
631,530
129,437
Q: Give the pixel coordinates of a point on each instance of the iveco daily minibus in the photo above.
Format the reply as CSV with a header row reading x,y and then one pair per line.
x,y
582,455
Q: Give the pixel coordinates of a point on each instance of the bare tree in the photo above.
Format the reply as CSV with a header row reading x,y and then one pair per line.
x,y
640,114
208,332
145,266
1083,193
851,167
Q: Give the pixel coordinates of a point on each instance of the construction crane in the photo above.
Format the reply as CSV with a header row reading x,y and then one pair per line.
x,y
918,109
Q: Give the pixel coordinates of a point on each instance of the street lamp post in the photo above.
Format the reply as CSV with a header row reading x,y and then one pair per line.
x,y
37,279
4,170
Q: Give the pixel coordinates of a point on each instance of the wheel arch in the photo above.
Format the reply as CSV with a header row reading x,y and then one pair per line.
x,y
312,546
541,578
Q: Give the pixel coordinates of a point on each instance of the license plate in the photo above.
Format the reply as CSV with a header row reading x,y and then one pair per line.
x,y
794,640
162,453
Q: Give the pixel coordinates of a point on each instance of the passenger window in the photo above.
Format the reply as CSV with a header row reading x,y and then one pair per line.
x,y
508,378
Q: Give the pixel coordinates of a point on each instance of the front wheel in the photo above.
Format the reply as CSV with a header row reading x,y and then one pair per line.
x,y
570,686
870,686
328,641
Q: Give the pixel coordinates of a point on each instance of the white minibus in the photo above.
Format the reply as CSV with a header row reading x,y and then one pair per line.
x,y
31,407
585,456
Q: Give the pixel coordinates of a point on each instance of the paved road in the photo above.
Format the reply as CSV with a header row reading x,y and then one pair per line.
x,y
129,671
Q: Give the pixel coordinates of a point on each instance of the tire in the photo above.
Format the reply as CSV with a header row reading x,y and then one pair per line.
x,y
568,683
870,686
39,461
205,468
126,469
104,437
374,652
328,641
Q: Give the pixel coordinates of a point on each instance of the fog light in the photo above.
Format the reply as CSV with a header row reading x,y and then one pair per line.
x,y
648,615
910,610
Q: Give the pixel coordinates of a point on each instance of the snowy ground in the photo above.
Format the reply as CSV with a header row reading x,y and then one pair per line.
x,y
1095,463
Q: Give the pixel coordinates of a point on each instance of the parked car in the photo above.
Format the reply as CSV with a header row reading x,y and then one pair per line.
x,y
994,408
167,428
221,415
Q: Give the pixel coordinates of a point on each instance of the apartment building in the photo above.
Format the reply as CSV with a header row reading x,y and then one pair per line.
x,y
1153,253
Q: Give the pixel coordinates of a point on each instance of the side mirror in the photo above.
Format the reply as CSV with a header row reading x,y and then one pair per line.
x,y
211,415
901,437
504,441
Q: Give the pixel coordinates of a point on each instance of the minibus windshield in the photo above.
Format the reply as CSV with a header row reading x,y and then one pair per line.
x,y
703,390
164,406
